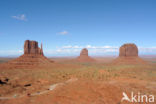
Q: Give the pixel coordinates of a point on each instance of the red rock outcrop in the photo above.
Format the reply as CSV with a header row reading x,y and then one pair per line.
x,y
33,56
84,52
84,56
128,50
31,47
128,54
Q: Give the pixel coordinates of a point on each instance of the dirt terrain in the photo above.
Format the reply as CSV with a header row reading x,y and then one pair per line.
x,y
96,83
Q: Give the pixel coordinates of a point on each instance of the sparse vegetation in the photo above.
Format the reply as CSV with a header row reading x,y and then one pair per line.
x,y
132,77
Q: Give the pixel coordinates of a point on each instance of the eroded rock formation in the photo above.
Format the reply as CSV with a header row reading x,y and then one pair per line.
x,y
128,50
33,56
128,54
84,56
84,52
31,47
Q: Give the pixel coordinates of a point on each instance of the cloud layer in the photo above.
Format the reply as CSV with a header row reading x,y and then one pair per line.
x,y
70,50
95,50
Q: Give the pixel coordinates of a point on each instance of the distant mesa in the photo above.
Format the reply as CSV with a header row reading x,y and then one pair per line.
x,y
84,52
128,54
84,56
33,56
128,50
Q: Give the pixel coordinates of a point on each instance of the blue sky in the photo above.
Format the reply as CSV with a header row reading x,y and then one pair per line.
x,y
66,26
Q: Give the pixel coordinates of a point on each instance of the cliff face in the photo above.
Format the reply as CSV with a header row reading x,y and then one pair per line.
x,y
31,47
128,50
128,54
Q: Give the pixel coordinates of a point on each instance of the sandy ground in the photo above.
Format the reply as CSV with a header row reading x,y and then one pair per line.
x,y
69,82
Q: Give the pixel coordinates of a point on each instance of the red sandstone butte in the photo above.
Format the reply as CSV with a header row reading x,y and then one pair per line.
x,y
84,56
33,56
31,47
128,54
127,50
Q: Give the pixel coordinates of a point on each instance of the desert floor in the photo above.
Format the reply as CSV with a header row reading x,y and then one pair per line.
x,y
69,82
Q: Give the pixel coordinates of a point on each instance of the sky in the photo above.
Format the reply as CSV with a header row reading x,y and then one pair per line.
x,y
66,26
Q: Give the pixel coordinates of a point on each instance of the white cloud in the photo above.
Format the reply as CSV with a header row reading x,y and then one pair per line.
x,y
75,49
64,51
147,49
21,17
76,46
69,46
64,32
10,52
90,47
